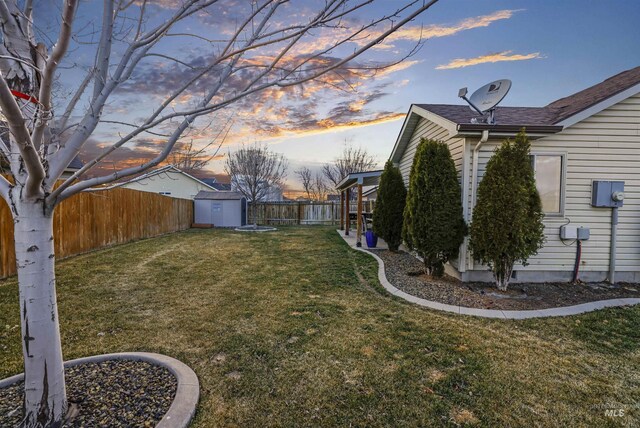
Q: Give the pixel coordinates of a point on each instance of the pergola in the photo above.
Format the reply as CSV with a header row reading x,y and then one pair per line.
x,y
358,180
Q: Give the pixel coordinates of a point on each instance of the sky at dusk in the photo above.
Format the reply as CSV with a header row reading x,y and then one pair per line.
x,y
549,49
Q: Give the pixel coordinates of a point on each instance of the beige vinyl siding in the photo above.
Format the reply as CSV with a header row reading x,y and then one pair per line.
x,y
429,130
605,146
171,183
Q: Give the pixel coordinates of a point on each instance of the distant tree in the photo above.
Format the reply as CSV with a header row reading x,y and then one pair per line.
x,y
306,178
190,159
435,227
352,159
389,208
255,170
319,187
507,223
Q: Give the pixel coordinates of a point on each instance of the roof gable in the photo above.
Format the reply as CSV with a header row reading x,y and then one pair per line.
x,y
539,121
417,112
168,169
569,106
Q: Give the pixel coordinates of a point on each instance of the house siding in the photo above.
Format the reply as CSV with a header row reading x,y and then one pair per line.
x,y
171,183
429,130
605,146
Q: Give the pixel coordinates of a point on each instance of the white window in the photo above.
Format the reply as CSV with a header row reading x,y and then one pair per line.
x,y
549,172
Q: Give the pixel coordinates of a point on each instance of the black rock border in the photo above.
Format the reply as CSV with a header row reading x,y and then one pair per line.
x,y
183,408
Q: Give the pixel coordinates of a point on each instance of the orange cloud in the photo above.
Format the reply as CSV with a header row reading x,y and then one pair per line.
x,y
490,58
328,38
323,126
416,33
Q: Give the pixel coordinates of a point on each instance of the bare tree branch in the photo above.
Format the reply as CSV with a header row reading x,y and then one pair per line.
x,y
20,136
50,67
352,159
255,171
304,174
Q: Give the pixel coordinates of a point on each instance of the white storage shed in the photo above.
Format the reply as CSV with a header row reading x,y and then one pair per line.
x,y
220,209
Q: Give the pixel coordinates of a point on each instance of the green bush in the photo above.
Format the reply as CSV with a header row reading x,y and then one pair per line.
x,y
434,226
389,207
507,223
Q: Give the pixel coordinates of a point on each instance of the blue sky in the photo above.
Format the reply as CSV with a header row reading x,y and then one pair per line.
x,y
579,43
553,48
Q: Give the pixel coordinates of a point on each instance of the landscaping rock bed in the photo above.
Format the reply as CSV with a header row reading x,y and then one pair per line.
x,y
113,393
406,273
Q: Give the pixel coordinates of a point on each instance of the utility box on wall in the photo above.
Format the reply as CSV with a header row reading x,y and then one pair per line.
x,y
579,233
607,194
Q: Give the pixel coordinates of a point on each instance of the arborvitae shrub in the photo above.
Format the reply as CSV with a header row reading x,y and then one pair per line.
x,y
507,223
389,207
434,226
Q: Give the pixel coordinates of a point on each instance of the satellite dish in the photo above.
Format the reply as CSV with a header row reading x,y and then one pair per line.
x,y
487,97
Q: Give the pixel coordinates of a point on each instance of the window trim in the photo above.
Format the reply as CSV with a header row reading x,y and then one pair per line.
x,y
563,179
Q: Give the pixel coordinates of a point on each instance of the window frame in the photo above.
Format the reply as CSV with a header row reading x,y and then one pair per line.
x,y
563,178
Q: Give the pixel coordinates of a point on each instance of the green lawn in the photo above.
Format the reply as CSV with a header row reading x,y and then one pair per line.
x,y
291,328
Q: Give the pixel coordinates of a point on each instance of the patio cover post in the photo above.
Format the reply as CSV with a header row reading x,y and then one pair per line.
x,y
341,210
346,212
359,219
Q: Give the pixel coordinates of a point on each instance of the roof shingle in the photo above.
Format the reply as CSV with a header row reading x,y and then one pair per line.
x,y
550,114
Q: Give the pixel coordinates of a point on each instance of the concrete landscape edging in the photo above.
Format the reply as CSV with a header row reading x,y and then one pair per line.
x,y
184,403
495,313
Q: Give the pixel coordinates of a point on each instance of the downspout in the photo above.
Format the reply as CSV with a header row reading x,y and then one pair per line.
x,y
474,181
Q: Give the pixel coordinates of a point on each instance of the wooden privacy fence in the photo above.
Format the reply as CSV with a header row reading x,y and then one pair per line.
x,y
89,221
304,213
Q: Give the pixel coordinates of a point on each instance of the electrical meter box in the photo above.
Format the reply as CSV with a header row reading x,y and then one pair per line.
x,y
575,232
584,233
607,194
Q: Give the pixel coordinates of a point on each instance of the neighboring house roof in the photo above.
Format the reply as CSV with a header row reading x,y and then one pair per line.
x,y
167,168
219,196
213,182
75,164
225,187
539,121
210,181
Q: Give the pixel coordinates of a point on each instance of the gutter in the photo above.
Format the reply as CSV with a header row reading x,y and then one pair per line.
x,y
474,181
509,129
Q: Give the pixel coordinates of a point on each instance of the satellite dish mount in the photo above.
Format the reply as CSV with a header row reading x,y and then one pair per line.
x,y
487,98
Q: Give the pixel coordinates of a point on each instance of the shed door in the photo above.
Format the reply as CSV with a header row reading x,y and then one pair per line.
x,y
216,214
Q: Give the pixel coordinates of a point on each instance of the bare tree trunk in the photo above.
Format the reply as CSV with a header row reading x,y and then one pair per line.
x,y
503,275
45,401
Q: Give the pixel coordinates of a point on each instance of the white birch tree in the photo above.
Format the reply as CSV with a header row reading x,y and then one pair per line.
x,y
259,54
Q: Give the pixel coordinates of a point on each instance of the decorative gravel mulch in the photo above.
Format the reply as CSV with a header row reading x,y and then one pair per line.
x,y
406,273
115,393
